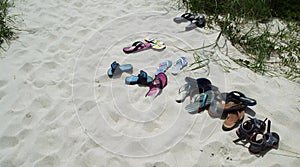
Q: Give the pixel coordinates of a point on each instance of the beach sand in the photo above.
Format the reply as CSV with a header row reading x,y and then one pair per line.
x,y
59,107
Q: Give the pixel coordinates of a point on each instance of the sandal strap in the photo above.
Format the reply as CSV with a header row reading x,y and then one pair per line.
x,y
159,85
142,77
185,87
114,65
271,139
246,129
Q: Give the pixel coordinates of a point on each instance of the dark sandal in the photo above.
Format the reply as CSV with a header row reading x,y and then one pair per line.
x,y
268,141
233,119
240,97
184,18
249,127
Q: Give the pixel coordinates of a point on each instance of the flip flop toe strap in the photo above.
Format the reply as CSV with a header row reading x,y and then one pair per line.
x,y
157,82
114,66
142,77
185,87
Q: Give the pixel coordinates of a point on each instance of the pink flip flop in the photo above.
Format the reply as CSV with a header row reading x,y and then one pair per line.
x,y
136,46
159,82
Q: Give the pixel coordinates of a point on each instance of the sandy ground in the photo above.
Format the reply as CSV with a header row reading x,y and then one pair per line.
x,y
59,107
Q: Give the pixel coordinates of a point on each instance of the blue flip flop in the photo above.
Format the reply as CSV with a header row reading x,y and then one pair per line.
x,y
180,63
200,102
163,66
142,78
116,69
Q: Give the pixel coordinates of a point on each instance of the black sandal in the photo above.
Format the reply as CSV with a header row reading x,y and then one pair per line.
x,y
184,18
268,141
198,22
249,127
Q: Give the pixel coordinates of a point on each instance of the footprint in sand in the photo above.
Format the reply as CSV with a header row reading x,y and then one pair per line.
x,y
2,83
52,160
8,141
26,68
2,94
158,164
116,162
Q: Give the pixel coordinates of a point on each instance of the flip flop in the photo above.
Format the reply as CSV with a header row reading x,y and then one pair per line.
x,y
220,110
199,81
203,84
183,92
180,63
233,119
142,78
163,66
116,69
199,22
136,46
228,102
155,43
184,18
200,102
236,95
159,82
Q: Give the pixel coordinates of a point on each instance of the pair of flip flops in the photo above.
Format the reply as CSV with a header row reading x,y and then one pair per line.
x,y
200,102
196,21
139,45
117,69
249,131
180,64
202,91
155,85
155,43
231,107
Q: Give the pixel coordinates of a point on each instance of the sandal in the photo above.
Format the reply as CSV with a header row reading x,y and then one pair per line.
x,y
184,18
155,43
233,119
163,66
240,97
180,63
142,78
225,103
200,102
183,92
198,22
116,69
136,46
159,82
268,141
249,127
203,84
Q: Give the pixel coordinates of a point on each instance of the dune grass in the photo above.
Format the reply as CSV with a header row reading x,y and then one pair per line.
x,y
6,23
248,25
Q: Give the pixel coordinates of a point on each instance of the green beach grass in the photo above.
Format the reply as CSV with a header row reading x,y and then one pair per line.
x,y
6,23
249,25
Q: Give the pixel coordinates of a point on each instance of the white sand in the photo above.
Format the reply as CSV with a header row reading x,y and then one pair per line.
x,y
59,108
